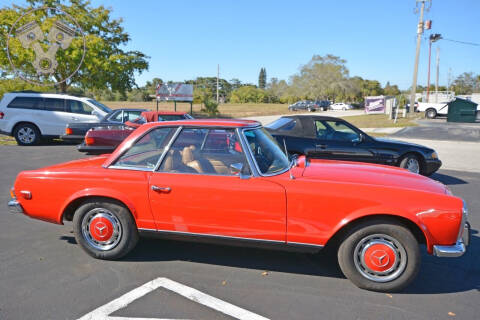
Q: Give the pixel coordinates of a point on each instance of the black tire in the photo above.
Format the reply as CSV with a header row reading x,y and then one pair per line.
x,y
104,214
26,134
411,162
430,113
382,234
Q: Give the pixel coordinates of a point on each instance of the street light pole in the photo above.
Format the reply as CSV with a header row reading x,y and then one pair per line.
x,y
433,38
417,54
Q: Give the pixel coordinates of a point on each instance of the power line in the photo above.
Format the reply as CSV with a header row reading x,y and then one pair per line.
x,y
464,42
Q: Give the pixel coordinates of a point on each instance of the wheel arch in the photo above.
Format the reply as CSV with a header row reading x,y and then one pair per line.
x,y
341,233
27,122
78,199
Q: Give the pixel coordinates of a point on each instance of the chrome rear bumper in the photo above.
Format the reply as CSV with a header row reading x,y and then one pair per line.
x,y
458,249
15,207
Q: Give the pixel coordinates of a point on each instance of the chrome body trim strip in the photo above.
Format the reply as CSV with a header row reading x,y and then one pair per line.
x,y
209,235
15,207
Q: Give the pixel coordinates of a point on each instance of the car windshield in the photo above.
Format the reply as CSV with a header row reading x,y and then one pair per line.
x,y
275,125
99,105
268,154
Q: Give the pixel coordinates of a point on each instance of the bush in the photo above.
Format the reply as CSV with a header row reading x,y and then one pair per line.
x,y
210,106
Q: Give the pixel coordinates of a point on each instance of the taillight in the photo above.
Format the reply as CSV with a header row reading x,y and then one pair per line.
x,y
89,141
68,131
12,193
2,115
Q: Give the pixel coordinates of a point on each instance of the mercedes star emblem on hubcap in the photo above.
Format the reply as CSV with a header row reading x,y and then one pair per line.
x,y
379,258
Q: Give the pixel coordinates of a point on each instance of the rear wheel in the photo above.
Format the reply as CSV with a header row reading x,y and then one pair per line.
x,y
431,113
412,163
26,134
105,229
380,256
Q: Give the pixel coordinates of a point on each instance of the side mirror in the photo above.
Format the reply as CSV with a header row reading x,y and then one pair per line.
x,y
360,138
236,168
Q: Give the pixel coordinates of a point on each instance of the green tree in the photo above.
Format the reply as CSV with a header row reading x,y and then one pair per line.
x,y
466,83
247,94
106,63
391,90
262,78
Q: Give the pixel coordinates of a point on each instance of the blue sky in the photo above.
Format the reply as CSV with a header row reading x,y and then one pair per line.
x,y
186,39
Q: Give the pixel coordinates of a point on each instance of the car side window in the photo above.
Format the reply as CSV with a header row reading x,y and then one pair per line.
x,y
206,151
131,115
321,130
26,103
145,152
339,131
76,106
289,126
52,104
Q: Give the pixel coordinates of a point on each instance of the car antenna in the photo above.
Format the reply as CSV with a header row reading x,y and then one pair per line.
x,y
289,166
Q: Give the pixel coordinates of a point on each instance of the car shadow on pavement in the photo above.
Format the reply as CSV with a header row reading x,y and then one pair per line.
x,y
449,275
446,179
321,264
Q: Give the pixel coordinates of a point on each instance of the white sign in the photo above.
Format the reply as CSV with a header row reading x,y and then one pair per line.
x,y
175,92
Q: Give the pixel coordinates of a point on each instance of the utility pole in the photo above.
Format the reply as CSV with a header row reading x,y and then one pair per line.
x,y
218,75
438,71
417,54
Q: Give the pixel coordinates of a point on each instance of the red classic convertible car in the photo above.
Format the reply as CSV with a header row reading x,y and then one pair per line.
x,y
229,181
104,139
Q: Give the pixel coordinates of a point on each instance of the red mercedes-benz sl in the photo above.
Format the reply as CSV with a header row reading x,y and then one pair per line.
x,y
229,181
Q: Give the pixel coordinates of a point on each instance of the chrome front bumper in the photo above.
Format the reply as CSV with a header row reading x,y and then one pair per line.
x,y
15,207
458,249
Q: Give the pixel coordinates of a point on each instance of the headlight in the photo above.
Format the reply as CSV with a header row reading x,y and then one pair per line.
x,y
434,155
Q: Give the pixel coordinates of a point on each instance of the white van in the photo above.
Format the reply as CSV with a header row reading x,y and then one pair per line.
x,y
30,116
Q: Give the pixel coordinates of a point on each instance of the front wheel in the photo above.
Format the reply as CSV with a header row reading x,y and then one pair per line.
x,y
411,163
105,229
380,256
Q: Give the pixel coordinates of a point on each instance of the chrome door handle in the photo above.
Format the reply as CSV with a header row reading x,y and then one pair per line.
x,y
161,189
75,119
322,146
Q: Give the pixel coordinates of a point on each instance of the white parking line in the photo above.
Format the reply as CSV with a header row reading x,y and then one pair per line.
x,y
103,312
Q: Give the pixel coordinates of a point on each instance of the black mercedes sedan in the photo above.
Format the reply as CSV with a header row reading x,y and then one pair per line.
x,y
76,131
334,138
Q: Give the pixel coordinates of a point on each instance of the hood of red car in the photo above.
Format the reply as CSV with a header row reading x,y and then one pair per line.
x,y
370,174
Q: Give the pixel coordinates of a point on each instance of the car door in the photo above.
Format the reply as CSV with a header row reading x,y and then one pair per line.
x,y
55,116
79,111
204,186
338,140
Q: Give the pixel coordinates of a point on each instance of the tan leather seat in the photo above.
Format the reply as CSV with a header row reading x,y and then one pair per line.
x,y
173,163
189,160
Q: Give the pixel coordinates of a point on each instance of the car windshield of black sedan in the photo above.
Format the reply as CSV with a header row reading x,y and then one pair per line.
x,y
266,151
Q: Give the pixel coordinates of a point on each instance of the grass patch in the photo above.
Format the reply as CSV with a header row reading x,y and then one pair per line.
x,y
227,110
381,121
7,140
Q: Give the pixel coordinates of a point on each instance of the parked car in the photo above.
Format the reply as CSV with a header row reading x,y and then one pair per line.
x,y
76,131
341,106
229,181
31,116
303,105
322,104
104,139
334,138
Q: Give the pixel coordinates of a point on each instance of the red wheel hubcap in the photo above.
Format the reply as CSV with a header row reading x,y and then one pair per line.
x,y
101,229
379,257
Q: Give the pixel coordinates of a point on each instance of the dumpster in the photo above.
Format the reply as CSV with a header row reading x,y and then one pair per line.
x,y
461,110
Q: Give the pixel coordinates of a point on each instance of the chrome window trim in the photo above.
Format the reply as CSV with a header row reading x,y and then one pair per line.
x,y
253,157
248,153
167,148
130,168
130,144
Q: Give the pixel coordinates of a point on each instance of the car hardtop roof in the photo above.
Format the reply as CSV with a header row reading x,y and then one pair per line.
x,y
227,123
44,95
129,109
304,116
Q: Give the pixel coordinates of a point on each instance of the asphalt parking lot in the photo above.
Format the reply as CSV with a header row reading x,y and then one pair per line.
x,y
45,275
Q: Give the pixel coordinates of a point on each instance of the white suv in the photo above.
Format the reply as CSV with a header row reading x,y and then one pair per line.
x,y
30,116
